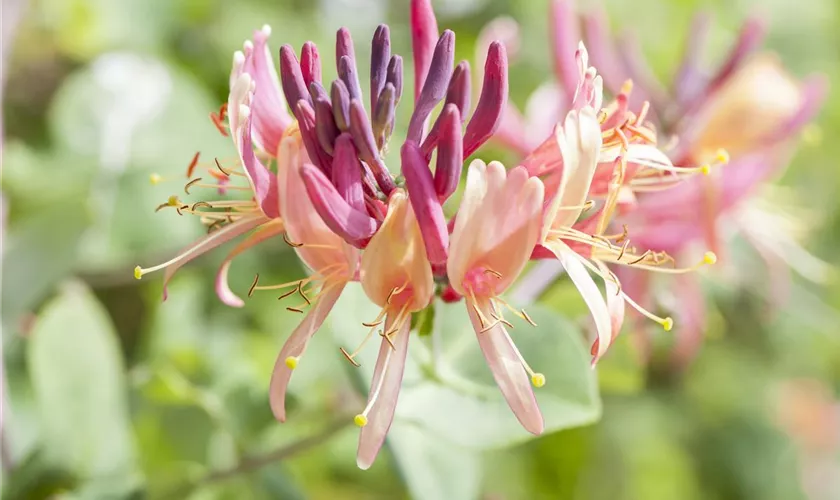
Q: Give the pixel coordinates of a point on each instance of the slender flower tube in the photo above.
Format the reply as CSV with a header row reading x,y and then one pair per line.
x,y
332,261
396,275
497,226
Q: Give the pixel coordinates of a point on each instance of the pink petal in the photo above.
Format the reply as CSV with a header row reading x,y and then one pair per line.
x,y
223,291
511,131
352,225
503,360
268,108
424,201
690,79
491,102
211,241
262,180
615,305
424,36
295,346
390,365
565,37
602,50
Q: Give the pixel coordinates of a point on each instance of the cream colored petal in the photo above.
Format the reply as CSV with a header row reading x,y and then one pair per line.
x,y
396,258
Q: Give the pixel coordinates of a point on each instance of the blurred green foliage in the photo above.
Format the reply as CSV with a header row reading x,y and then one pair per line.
x,y
114,394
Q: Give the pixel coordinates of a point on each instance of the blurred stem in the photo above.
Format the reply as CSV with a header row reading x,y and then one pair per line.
x,y
254,463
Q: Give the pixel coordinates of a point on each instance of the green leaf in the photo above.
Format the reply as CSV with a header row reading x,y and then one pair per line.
x,y
41,251
424,321
432,468
455,397
78,380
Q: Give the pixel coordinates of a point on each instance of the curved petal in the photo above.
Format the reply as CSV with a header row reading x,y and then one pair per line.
x,y
295,346
588,290
211,241
385,387
504,361
269,110
223,291
615,305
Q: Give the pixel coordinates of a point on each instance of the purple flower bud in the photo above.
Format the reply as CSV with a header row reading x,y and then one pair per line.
x,y
424,35
383,116
457,94
340,105
690,78
310,63
347,172
294,86
395,76
325,127
308,132
602,51
424,201
349,75
354,226
459,89
491,103
434,89
380,53
366,145
450,153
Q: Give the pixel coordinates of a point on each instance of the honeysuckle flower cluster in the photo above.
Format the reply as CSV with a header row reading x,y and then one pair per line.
x,y
748,112
311,159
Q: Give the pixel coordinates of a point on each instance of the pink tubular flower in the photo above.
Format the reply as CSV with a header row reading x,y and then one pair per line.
x,y
332,261
497,227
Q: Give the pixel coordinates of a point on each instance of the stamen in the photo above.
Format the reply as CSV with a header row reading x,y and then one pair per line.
x,y
643,113
527,318
295,309
291,362
355,363
667,323
537,378
623,249
497,274
302,294
362,418
190,184
287,294
395,291
254,285
219,166
193,163
290,242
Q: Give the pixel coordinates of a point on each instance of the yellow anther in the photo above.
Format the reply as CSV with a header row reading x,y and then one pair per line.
x,y
360,420
722,156
706,169
173,201
538,379
154,179
668,324
291,362
709,258
138,272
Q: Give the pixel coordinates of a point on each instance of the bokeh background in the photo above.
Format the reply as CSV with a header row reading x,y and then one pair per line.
x,y
111,393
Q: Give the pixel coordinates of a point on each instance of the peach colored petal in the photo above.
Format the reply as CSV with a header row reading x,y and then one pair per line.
x,y
396,257
504,361
497,224
295,346
389,373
